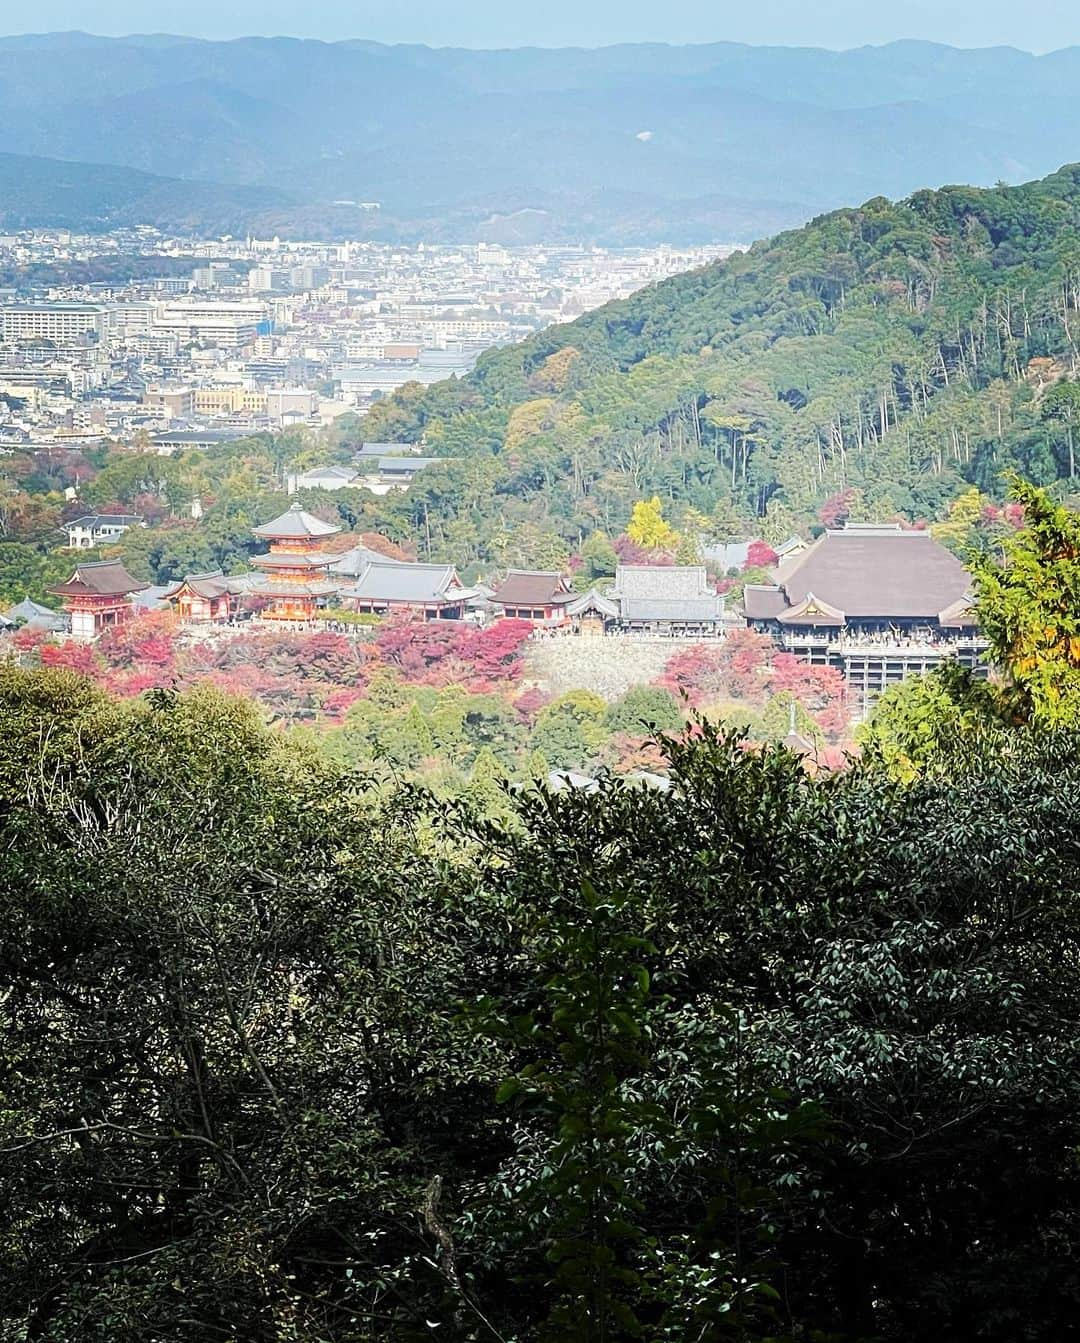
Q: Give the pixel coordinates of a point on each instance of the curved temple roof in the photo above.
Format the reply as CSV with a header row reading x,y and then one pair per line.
x,y
100,578
209,585
865,572
532,587
295,524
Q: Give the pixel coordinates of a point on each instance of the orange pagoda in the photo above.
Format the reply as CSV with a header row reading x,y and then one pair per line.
x,y
98,596
295,572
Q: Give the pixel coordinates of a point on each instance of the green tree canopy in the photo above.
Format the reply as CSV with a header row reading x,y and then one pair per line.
x,y
763,1056
644,709
1029,608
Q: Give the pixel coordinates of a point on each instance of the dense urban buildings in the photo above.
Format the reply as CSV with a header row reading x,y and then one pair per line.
x,y
236,336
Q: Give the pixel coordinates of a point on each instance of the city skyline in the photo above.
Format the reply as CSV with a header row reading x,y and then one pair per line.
x,y
839,24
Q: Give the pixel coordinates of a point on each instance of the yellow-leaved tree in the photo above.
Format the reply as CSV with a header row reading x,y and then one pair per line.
x,y
553,375
964,512
647,527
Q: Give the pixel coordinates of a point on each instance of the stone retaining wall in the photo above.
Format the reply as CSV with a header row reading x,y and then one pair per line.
x,y
607,666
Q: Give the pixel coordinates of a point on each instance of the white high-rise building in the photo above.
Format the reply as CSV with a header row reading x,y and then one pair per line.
x,y
59,322
228,322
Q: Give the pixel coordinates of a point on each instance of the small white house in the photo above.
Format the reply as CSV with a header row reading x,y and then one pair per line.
x,y
97,529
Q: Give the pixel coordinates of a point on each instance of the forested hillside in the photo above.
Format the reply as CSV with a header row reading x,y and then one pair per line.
x,y
895,350
296,1053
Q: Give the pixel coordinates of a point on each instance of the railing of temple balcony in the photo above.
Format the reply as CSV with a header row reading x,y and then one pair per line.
x,y
792,642
882,644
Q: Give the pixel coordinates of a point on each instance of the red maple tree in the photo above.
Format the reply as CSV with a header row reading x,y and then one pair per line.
x,y
820,690
444,652
760,555
736,669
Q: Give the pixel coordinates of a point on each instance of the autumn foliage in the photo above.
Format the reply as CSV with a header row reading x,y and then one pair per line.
x,y
735,668
296,675
745,668
820,690
760,555
440,653
630,552
414,679
75,657
149,640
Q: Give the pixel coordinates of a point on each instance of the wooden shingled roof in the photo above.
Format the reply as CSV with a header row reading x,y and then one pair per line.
x,y
209,585
99,578
532,587
864,572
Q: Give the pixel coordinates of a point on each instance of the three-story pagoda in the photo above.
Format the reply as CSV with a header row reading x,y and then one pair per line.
x,y
295,571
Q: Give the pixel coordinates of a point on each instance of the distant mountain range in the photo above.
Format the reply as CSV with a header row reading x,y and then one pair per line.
x,y
634,143
47,193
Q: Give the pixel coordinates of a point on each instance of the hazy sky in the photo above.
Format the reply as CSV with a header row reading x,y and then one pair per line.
x,y
1042,26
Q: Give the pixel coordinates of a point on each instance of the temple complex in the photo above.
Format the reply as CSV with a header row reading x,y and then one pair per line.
x,y
880,602
295,574
98,596
669,599
432,591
